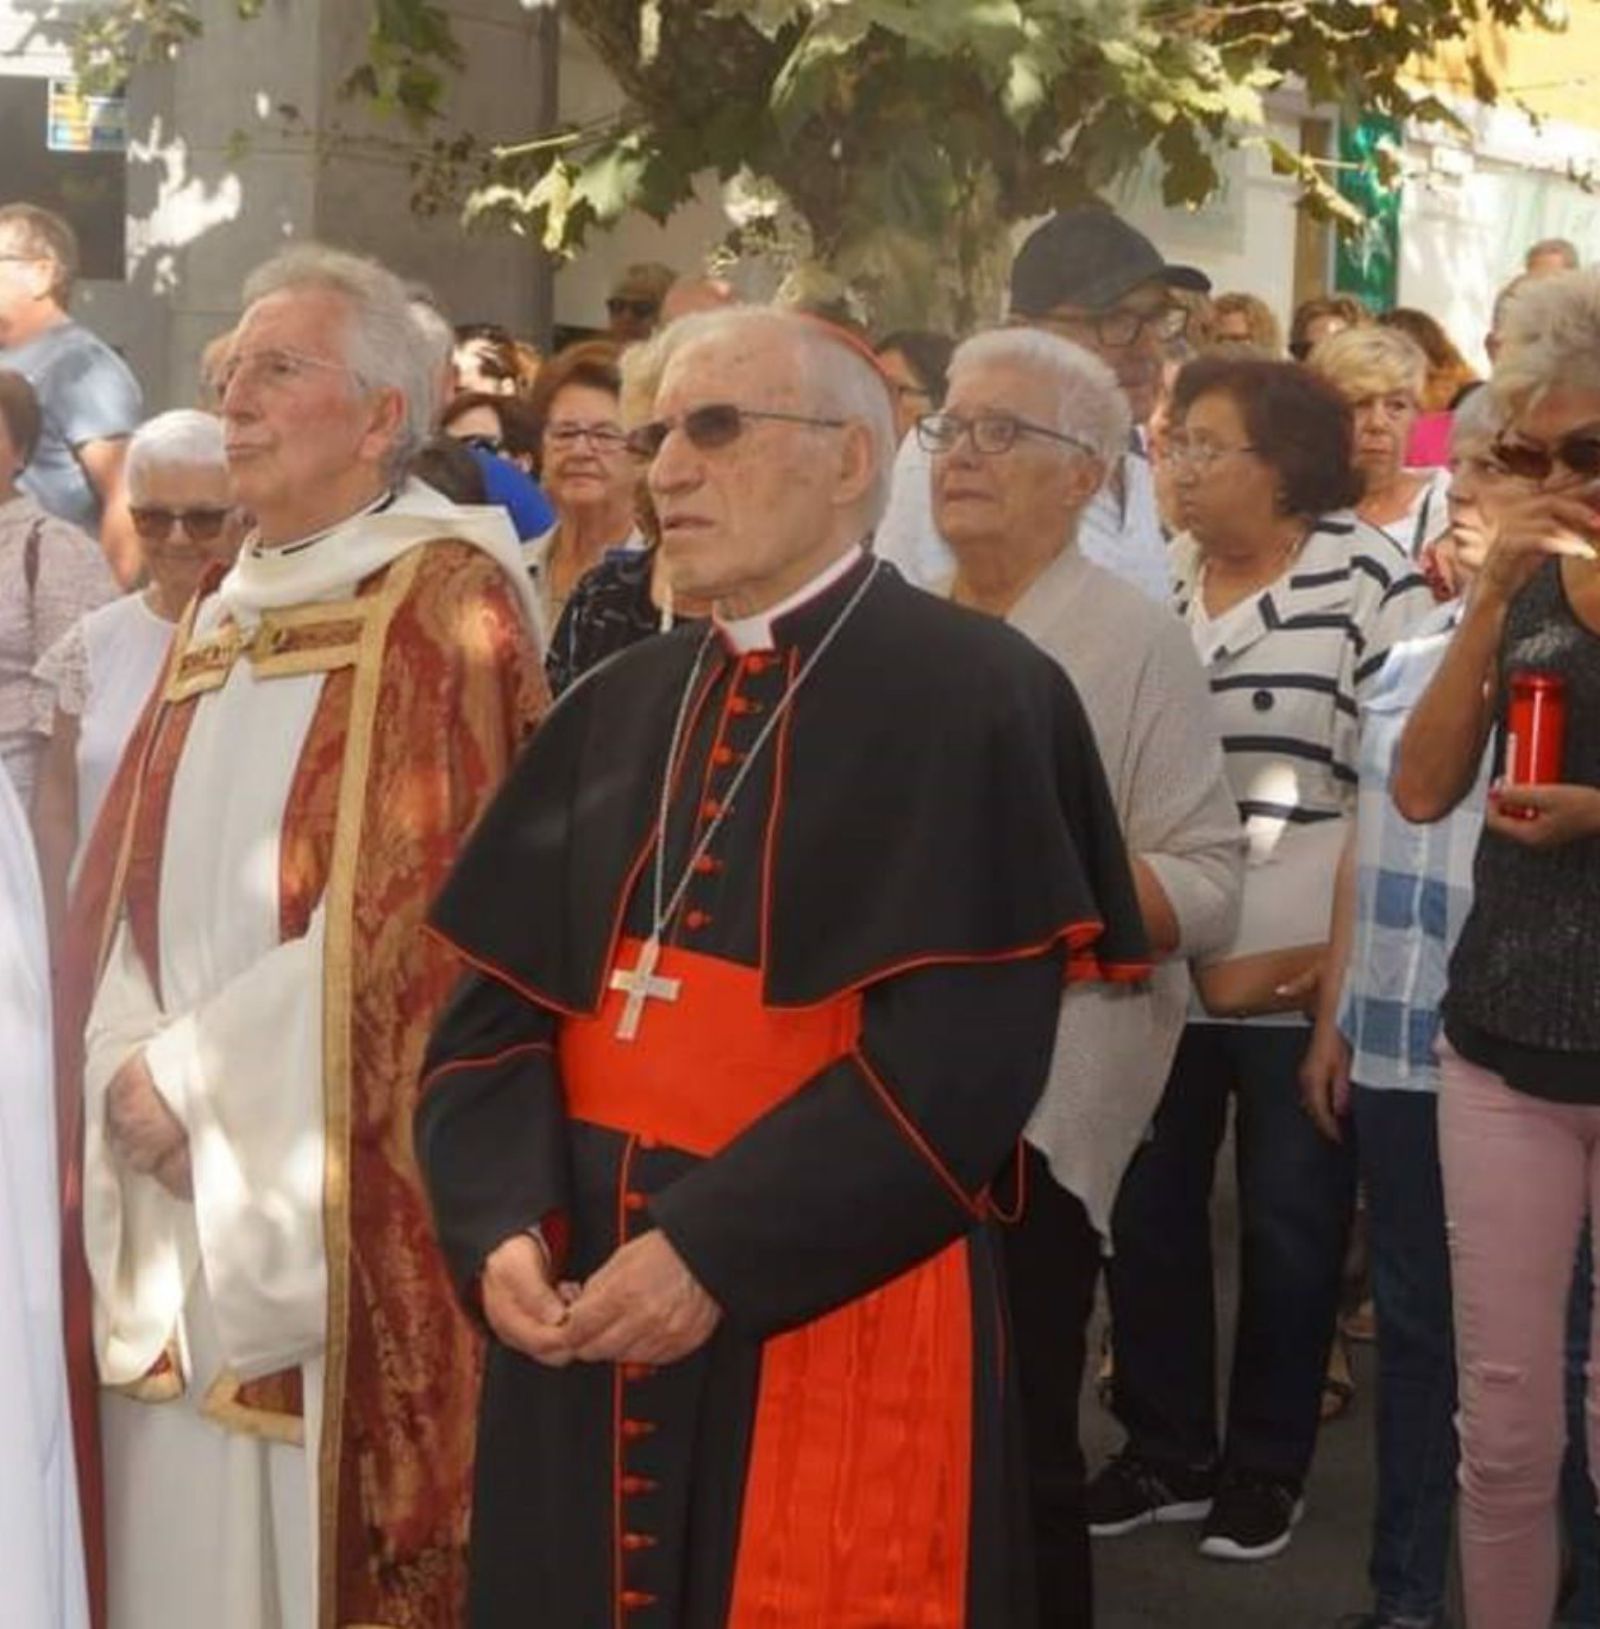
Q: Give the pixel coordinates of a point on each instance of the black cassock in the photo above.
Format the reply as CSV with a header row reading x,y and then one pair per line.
x,y
869,962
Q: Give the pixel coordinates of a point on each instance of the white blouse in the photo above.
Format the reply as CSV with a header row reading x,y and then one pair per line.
x,y
102,671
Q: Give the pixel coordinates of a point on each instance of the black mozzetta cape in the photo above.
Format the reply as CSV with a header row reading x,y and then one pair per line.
x,y
942,801
922,846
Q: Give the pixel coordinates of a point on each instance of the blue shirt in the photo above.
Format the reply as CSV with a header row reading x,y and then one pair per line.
x,y
519,495
1413,884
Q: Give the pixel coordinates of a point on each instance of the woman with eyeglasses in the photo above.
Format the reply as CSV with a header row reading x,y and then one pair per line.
x,y
50,574
586,471
1292,605
1382,373
501,433
1519,1127
1032,425
101,670
628,597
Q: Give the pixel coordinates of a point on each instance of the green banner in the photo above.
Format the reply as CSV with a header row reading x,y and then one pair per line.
x,y
1367,260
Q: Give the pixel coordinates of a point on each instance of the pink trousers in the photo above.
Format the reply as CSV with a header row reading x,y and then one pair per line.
x,y
1519,1175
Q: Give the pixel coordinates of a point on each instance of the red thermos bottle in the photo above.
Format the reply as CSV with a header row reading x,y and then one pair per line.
x,y
1536,729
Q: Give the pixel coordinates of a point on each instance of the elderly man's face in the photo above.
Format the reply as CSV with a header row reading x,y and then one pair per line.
x,y
748,522
1128,337
306,438
1037,487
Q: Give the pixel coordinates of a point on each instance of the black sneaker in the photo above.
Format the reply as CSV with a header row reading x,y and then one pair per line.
x,y
1129,1491
1251,1519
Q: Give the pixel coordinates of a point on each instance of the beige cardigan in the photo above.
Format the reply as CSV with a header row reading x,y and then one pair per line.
x,y
1134,666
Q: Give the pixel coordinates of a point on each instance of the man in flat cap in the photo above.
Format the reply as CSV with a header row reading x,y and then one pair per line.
x,y
1088,276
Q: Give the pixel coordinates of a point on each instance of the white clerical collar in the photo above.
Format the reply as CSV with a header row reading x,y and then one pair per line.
x,y
755,632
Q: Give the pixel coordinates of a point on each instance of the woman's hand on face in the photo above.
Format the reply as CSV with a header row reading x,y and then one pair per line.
x,y
1544,816
1530,529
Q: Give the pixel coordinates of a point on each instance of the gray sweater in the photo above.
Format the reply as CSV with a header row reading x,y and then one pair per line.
x,y
1135,667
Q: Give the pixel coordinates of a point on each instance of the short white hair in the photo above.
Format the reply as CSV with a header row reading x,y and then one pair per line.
x,y
384,345
183,439
1479,418
1090,405
1550,336
840,381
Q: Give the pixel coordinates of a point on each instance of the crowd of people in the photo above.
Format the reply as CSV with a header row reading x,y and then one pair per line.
x,y
604,953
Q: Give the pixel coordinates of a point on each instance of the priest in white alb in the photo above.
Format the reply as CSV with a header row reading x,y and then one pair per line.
x,y
287,1387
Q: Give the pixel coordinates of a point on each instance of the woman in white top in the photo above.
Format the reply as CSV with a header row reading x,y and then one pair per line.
x,y
1382,373
103,669
1292,604
1032,424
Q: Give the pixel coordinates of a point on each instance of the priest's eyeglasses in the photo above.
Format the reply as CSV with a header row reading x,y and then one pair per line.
x,y
990,432
717,424
154,524
274,367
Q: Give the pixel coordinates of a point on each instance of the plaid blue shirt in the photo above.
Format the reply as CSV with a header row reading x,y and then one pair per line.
x,y
1413,884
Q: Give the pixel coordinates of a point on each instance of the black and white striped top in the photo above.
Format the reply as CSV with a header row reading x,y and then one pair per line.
x,y
1288,667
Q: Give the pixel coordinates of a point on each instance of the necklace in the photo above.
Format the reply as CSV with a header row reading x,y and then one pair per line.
x,y
639,982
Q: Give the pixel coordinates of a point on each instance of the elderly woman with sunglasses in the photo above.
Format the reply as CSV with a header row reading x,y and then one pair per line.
x,y
1519,1119
50,574
1032,425
102,669
1293,605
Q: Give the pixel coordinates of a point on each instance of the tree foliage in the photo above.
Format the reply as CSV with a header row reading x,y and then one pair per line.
x,y
901,137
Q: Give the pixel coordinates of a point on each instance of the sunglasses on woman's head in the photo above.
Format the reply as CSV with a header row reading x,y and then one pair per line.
x,y
154,523
1578,453
717,424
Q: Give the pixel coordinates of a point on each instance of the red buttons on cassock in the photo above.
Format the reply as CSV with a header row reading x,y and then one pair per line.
x,y
724,756
706,866
634,1202
633,1430
633,1599
635,1485
639,1541
710,809
695,920
633,1373
738,706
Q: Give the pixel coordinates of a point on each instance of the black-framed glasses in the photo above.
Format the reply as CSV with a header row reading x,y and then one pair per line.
x,y
203,523
717,424
619,305
601,438
1121,327
1200,455
1578,453
990,432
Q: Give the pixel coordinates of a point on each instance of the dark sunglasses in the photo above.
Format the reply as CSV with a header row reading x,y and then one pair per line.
x,y
715,425
482,443
642,309
203,525
1578,453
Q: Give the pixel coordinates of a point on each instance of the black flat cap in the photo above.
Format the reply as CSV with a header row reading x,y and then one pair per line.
x,y
1089,257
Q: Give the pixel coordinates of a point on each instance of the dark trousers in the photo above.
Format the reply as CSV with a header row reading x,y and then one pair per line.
x,y
1295,1195
1052,1262
1397,1142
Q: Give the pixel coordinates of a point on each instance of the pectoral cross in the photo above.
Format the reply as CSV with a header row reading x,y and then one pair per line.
x,y
641,985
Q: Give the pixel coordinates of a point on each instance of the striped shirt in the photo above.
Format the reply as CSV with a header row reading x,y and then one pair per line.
x,y
1413,885
1290,667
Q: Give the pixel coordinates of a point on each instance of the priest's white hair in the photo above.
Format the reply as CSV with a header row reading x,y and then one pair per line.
x,y
840,381
440,339
1090,404
384,345
1549,336
183,439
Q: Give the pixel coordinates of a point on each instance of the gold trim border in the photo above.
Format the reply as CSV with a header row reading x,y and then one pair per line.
x,y
338,958
222,1407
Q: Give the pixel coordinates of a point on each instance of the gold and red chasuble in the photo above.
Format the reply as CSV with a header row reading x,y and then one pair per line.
x,y
431,685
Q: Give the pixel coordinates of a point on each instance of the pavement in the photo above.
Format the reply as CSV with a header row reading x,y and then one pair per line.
x,y
1156,1579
